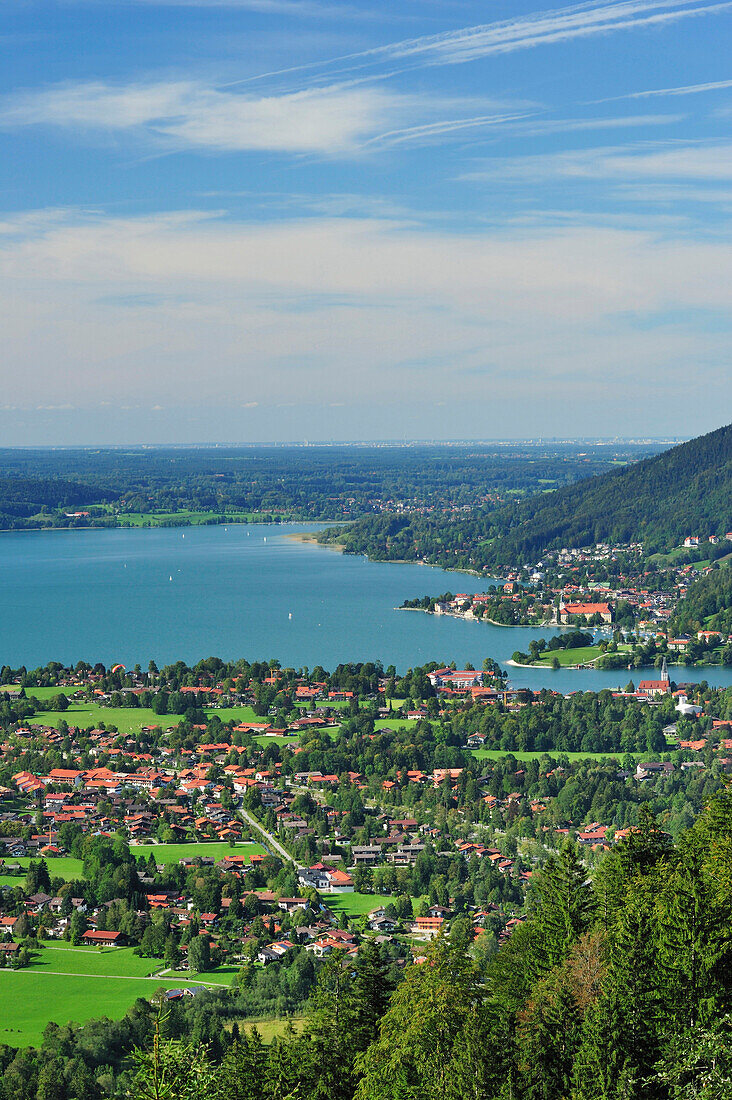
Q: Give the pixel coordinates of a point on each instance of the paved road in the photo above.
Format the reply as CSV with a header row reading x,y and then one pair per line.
x,y
270,841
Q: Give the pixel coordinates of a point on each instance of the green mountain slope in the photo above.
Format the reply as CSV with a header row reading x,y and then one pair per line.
x,y
658,501
684,491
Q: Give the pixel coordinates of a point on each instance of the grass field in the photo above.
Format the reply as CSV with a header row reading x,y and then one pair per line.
x,y
185,516
132,719
395,723
498,754
354,905
65,867
62,958
85,715
38,995
68,868
66,983
126,719
171,853
272,1028
569,656
239,714
34,997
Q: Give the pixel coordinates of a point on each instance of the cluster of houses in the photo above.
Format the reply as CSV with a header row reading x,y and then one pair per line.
x,y
692,541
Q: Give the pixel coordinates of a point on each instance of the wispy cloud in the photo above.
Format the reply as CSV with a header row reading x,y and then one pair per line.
x,y
578,125
472,43
684,89
334,120
660,160
326,120
432,130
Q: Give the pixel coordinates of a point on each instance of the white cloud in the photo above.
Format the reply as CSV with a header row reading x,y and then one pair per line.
x,y
542,28
522,32
335,120
347,310
670,160
577,125
326,120
684,89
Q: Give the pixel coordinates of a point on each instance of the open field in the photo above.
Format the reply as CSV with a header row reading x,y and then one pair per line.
x,y
85,715
272,1028
498,754
66,983
125,719
185,517
65,867
355,905
62,958
171,853
131,719
238,714
395,723
68,868
32,998
569,656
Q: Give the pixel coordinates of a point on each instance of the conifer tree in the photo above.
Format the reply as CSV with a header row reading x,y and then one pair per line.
x,y
564,907
694,942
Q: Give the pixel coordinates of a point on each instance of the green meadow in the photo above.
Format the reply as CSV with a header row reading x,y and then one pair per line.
x,y
569,656
185,517
125,719
68,868
62,958
354,905
171,853
499,754
77,984
395,723
65,867
33,998
271,1028
85,715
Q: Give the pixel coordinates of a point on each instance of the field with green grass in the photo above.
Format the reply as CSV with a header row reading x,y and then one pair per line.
x,y
271,1028
33,998
238,714
86,715
569,656
63,958
263,740
498,754
185,517
171,853
125,719
395,723
68,868
354,905
66,983
65,867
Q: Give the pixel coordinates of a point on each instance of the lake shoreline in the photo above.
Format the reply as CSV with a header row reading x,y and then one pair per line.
x,y
479,619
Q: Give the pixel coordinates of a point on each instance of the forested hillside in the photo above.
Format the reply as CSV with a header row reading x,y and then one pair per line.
x,y
658,501
707,604
616,987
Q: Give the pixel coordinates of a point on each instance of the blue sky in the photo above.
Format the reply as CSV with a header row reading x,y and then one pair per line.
x,y
287,219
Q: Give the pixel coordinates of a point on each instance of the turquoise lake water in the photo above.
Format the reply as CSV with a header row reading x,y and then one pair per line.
x,y
243,591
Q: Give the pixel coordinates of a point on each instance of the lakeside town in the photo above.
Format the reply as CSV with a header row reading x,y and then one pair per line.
x,y
631,609
345,808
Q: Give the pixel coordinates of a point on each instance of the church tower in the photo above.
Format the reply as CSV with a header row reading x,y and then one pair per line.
x,y
664,673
